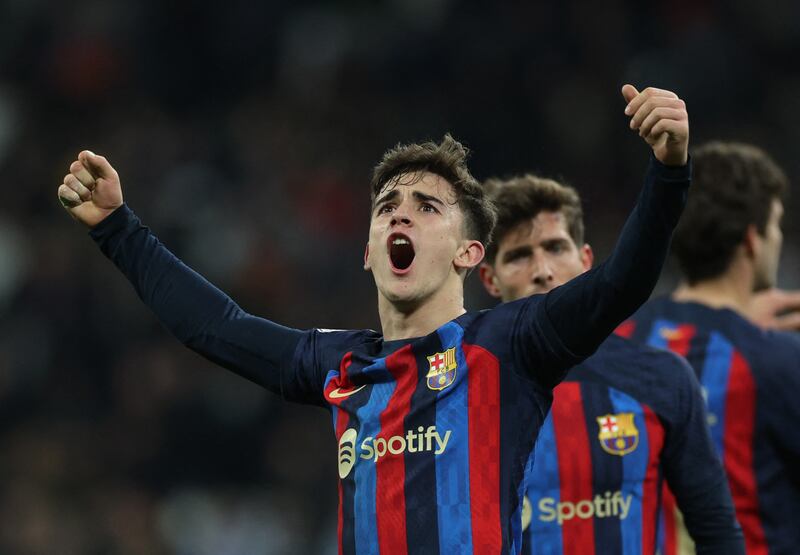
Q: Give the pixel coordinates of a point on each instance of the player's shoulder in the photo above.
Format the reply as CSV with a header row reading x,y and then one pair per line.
x,y
778,352
336,342
499,320
640,363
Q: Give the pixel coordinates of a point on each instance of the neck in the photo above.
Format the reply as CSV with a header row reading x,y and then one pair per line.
x,y
419,318
733,289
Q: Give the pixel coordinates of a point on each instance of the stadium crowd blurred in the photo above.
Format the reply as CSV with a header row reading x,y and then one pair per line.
x,y
244,134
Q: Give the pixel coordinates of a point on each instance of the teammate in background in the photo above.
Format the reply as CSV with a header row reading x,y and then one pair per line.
x,y
623,420
436,416
728,245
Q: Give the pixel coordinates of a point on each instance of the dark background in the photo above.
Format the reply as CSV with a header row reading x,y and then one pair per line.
x,y
244,133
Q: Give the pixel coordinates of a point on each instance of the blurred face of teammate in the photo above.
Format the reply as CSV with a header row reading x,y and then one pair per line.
x,y
534,257
417,242
767,257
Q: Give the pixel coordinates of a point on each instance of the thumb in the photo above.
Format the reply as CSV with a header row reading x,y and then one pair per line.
x,y
98,166
629,92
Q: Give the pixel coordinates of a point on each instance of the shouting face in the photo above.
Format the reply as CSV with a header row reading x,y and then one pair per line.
x,y
417,245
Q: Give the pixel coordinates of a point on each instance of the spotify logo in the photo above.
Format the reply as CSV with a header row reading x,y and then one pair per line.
x,y
347,452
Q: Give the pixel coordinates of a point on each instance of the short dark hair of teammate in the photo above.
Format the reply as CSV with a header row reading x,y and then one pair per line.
x,y
734,187
448,160
521,198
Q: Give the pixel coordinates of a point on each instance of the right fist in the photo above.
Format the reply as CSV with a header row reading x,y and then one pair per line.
x,y
91,190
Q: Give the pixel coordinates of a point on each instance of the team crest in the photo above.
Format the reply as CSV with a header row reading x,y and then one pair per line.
x,y
671,334
442,370
618,434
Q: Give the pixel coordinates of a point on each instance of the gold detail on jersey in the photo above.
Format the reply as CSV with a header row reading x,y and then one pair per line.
x,y
618,434
442,371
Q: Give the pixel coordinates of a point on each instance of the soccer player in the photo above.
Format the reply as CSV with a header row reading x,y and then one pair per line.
x,y
623,420
436,416
728,244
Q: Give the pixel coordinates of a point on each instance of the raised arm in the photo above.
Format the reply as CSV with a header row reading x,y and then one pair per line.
x,y
584,311
197,313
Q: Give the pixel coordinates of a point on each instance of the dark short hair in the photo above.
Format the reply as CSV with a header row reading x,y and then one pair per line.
x,y
521,198
733,187
448,160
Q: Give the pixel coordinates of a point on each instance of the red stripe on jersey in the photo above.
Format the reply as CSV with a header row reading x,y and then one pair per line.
x,y
682,339
626,329
342,381
390,504
670,529
652,481
342,419
574,466
483,407
740,414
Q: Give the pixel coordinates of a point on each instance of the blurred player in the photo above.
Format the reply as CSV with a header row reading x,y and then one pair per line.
x,y
623,420
728,245
436,416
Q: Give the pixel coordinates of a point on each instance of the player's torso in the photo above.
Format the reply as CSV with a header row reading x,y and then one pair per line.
x,y
430,439
727,356
594,485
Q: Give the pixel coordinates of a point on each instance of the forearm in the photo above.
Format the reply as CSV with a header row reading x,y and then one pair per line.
x,y
197,313
588,308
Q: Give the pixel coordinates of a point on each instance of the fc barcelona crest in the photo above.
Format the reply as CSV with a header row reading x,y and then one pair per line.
x,y
442,370
618,434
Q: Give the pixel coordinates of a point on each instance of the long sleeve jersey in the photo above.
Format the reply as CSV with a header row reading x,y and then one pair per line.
x,y
433,432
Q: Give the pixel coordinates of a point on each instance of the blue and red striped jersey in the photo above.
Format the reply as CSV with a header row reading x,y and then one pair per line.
x,y
622,422
751,382
433,433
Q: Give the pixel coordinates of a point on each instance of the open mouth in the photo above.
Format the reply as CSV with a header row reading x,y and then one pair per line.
x,y
401,252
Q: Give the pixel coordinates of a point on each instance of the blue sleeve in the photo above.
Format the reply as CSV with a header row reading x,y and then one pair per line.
x,y
583,312
201,316
694,471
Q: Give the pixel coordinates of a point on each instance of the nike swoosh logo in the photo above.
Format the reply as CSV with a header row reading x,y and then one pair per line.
x,y
336,394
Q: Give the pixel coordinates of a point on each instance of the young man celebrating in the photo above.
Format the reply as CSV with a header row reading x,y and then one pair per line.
x,y
622,421
436,416
728,245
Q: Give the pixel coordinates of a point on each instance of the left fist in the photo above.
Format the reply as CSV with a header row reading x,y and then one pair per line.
x,y
661,119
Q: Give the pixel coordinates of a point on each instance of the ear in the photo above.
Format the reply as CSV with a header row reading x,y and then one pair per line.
x,y
587,257
366,258
469,255
489,279
752,241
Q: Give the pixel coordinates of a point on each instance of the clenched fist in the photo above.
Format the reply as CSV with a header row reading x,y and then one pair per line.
x,y
91,190
661,119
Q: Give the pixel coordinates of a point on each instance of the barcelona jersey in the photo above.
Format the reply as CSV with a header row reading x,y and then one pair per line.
x,y
623,421
751,382
433,432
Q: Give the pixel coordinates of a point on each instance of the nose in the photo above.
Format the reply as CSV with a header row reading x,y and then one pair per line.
x,y
542,275
401,215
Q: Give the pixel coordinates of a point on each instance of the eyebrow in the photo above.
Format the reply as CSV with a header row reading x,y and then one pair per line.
x,y
422,197
555,241
519,251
